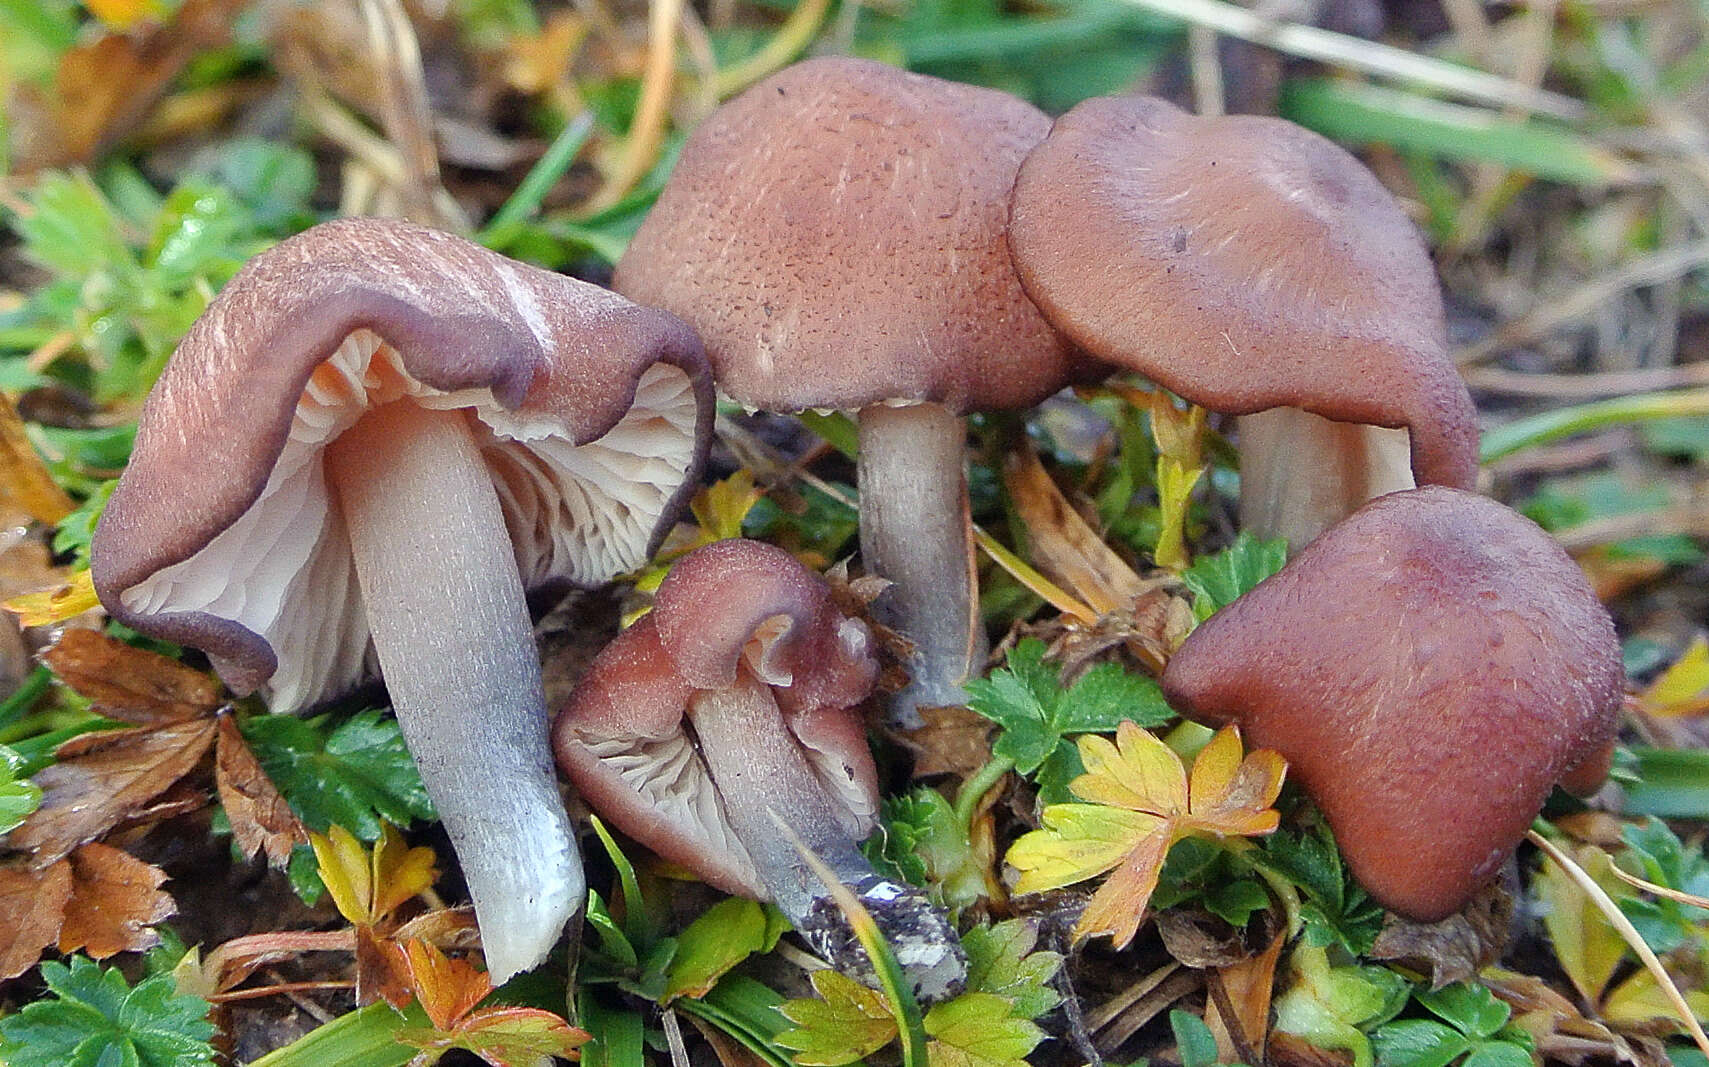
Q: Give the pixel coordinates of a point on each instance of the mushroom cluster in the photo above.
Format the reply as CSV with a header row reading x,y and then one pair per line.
x,y
361,457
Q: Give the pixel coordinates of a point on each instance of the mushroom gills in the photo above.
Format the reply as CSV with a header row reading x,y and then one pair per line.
x,y
774,802
457,652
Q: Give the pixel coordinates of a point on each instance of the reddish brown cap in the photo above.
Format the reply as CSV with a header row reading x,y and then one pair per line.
x,y
622,741
593,414
1245,263
836,235
1430,667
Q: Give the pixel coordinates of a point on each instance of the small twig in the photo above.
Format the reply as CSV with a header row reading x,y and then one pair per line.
x,y
652,111
1660,890
1617,918
1585,386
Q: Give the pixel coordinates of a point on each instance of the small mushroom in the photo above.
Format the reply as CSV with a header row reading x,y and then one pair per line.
x,y
837,236
724,726
1256,269
1430,667
371,444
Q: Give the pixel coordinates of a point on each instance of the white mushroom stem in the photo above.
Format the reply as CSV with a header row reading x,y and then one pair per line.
x,y
1300,473
451,628
762,775
915,531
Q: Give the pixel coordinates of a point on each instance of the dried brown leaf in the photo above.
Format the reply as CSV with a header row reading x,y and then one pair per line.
x,y
1061,543
1245,990
115,902
32,909
1456,948
953,741
102,779
24,479
382,973
131,684
260,818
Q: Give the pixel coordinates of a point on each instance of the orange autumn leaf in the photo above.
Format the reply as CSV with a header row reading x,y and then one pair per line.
x,y
115,903
1141,800
450,992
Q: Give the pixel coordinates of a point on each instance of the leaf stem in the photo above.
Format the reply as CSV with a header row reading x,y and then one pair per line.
x,y
967,800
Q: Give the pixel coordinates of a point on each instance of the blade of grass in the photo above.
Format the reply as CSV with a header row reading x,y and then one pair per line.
x,y
637,924
1605,904
1672,783
366,1037
532,190
1550,426
1054,594
1369,57
1365,114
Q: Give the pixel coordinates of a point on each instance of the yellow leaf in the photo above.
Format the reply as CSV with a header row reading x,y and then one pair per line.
x,y
73,598
1639,1001
1142,802
1079,841
1586,944
844,1023
1119,904
23,476
1138,772
721,507
123,14
1682,689
346,871
399,872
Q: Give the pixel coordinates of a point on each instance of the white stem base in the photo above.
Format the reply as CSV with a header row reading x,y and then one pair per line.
x,y
914,531
457,651
1301,474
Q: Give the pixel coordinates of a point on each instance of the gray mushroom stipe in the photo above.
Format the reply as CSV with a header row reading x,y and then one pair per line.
x,y
375,440
733,706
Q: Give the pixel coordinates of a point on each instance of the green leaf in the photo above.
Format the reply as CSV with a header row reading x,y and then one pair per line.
x,y
1334,907
18,796
846,1022
1471,1008
354,774
1419,1043
1001,960
1216,580
1194,1039
979,1030
1656,855
1026,698
1672,783
923,844
726,934
77,529
95,1018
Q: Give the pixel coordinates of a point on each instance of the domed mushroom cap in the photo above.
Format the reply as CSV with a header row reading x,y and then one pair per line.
x,y
1430,667
1245,263
836,235
590,412
623,738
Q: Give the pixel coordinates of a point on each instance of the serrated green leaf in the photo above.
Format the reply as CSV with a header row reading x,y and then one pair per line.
x,y
923,844
354,774
1001,960
1104,696
979,1030
18,796
1217,580
95,1017
846,1022
1334,907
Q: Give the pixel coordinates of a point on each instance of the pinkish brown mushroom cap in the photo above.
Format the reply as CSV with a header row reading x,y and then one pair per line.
x,y
593,415
1245,263
1430,667
722,731
837,236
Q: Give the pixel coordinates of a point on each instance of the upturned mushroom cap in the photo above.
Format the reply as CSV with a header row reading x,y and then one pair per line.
x,y
1430,667
837,236
1244,263
592,414
623,739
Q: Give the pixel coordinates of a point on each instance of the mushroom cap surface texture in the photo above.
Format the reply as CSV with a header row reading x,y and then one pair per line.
x,y
592,414
1244,263
622,737
1430,667
837,236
